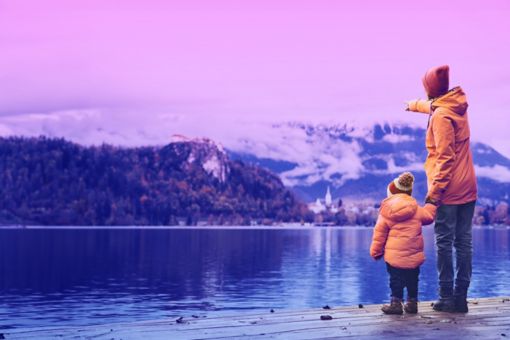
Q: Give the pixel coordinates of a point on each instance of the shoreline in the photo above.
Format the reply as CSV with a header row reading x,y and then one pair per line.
x,y
218,227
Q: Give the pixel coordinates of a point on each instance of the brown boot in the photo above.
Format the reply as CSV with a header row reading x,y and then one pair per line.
x,y
395,307
411,306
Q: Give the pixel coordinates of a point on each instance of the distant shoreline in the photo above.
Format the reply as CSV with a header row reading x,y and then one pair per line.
x,y
284,227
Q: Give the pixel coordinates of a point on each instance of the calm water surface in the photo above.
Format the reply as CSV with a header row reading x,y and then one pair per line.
x,y
87,276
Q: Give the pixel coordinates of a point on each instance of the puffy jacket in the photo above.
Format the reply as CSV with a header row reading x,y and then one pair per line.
x,y
449,166
397,233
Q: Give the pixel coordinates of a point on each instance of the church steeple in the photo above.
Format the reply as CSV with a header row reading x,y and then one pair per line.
x,y
328,200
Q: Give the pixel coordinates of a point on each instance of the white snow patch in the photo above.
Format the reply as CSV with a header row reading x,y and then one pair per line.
x,y
364,132
191,157
394,138
393,168
215,167
497,172
318,158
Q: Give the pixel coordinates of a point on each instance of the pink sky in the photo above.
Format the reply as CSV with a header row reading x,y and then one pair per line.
x,y
229,61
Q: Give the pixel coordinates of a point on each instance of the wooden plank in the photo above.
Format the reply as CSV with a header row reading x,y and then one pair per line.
x,y
250,323
292,316
316,324
486,318
354,319
284,318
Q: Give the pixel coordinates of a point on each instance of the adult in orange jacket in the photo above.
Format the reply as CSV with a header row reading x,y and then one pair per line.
x,y
451,184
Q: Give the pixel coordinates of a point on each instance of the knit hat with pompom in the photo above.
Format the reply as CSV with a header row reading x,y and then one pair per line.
x,y
401,185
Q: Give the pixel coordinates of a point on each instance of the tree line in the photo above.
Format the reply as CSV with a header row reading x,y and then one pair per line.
x,y
50,181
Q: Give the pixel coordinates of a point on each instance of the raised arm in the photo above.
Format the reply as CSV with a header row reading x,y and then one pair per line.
x,y
444,139
427,214
419,105
379,237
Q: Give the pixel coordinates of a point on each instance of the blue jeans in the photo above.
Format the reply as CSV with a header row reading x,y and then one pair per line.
x,y
453,230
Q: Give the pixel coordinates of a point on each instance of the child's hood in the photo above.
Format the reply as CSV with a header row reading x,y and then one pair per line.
x,y
399,207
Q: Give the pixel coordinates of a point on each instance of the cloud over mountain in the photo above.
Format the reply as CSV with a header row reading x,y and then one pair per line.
x,y
307,156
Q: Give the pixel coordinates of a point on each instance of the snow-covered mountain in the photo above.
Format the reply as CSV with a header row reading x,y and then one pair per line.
x,y
356,159
359,162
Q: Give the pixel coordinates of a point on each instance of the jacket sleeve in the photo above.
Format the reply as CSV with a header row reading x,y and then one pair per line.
x,y
419,105
427,213
379,237
444,139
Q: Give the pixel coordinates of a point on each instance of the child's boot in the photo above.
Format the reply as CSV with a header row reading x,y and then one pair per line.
x,y
411,306
395,307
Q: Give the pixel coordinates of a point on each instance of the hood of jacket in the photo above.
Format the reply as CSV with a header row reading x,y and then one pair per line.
x,y
399,207
454,100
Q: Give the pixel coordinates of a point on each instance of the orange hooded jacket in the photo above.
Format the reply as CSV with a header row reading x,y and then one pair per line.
x,y
449,165
397,233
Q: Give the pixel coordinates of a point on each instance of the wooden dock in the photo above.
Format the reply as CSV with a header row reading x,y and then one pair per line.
x,y
488,318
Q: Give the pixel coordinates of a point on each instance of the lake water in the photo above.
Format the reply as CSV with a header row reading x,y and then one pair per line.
x,y
90,276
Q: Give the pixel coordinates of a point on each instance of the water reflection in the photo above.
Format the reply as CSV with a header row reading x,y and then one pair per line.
x,y
89,276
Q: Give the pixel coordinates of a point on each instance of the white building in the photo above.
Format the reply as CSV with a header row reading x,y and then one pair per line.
x,y
328,198
325,204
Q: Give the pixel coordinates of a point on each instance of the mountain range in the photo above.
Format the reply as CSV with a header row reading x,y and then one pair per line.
x,y
358,163
355,160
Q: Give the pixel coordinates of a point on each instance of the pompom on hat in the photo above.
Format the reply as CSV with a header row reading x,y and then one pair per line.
x,y
401,185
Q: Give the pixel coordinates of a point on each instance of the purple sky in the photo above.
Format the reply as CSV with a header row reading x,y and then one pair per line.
x,y
224,62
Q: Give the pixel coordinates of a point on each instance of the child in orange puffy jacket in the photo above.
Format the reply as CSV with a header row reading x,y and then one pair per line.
x,y
398,237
